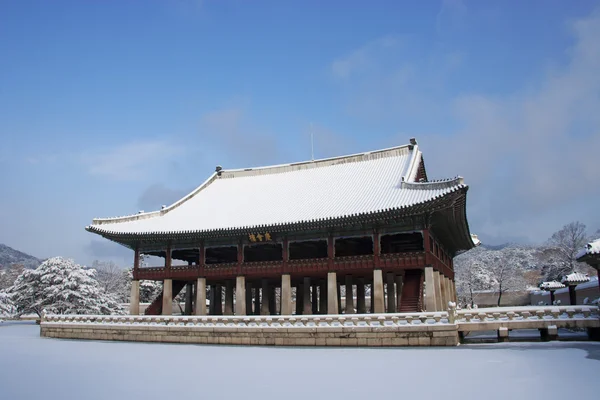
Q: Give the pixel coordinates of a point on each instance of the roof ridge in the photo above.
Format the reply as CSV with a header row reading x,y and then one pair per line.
x,y
319,163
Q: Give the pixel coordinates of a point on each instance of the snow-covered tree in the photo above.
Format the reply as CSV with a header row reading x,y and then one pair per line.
x,y
565,244
9,274
7,307
111,278
60,286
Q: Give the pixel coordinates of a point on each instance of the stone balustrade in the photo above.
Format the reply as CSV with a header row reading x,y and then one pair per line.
x,y
399,329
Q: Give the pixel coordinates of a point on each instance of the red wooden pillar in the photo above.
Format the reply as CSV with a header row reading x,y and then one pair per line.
x,y
240,257
426,244
136,262
376,248
201,260
330,252
286,256
168,257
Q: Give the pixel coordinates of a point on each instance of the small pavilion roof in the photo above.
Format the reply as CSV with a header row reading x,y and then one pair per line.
x,y
574,278
354,186
592,248
553,285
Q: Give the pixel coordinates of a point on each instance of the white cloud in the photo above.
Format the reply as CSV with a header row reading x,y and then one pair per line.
x,y
530,157
132,161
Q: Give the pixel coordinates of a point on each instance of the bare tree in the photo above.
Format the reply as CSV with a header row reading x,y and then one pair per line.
x,y
566,243
471,276
111,278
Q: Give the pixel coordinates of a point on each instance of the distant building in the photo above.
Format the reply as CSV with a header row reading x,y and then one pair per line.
x,y
369,219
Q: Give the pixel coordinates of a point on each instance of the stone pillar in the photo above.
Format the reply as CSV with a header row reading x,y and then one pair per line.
x,y
188,299
248,290
299,298
399,284
332,296
134,299
349,309
218,300
257,301
286,294
264,307
228,298
322,296
306,306
240,295
339,297
391,292
315,299
377,295
272,300
167,300
211,300
430,302
360,296
371,302
201,296
438,291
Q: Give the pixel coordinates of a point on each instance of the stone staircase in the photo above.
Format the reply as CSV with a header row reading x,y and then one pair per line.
x,y
155,308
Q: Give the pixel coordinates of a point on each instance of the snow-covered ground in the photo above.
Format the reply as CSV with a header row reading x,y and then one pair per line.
x,y
51,369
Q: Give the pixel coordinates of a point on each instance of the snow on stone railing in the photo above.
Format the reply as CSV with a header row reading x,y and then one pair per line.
x,y
258,321
536,313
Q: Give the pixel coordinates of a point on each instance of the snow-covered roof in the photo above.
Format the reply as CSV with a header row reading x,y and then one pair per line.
x,y
551,285
590,248
475,239
575,278
310,191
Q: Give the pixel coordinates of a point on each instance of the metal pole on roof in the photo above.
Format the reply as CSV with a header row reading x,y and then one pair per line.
x,y
312,143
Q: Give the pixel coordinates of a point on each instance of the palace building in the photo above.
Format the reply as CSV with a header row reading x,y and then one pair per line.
x,y
259,240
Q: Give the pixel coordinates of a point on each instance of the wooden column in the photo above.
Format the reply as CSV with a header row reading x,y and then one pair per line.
x,y
240,257
136,262
330,252
168,259
360,296
286,257
376,248
228,297
201,260
349,309
323,296
248,298
391,292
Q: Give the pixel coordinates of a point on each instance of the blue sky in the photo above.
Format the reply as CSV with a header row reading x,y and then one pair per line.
x,y
107,108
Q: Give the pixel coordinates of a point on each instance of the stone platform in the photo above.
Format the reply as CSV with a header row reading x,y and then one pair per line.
x,y
424,329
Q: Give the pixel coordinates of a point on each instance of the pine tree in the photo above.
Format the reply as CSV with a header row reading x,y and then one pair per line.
x,y
60,286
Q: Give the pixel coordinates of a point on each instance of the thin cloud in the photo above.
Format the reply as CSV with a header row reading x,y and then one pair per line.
x,y
131,161
530,156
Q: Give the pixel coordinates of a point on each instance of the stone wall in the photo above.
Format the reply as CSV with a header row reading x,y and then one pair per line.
x,y
426,329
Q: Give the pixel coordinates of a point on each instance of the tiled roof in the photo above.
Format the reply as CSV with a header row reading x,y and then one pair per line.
x,y
575,278
293,193
551,285
590,248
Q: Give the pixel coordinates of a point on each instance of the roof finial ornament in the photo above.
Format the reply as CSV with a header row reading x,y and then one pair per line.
x,y
413,143
218,170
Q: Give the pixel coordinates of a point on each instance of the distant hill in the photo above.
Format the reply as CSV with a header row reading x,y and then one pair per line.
x,y
9,256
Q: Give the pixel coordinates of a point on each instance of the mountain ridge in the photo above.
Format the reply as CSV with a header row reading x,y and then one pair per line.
x,y
9,256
